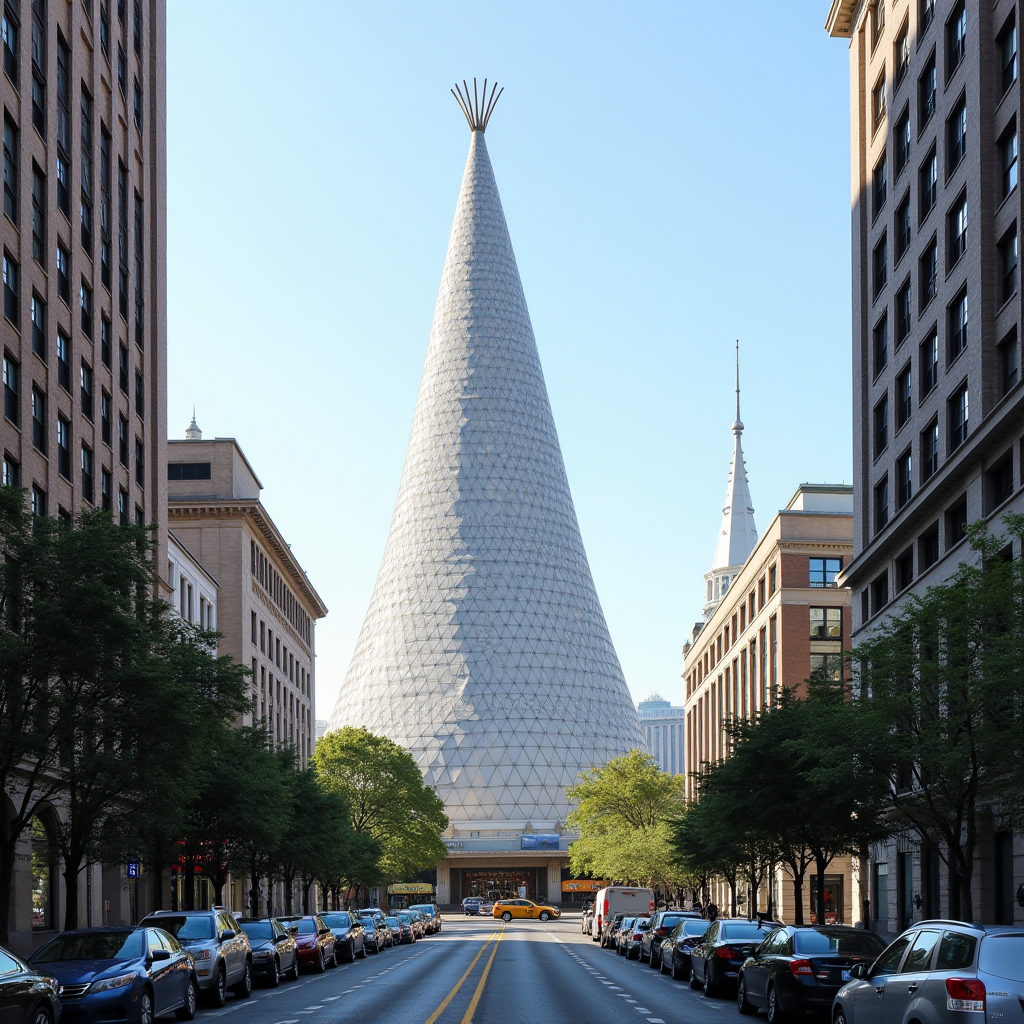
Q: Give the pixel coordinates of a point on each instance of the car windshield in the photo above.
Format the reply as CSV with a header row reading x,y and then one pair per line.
x,y
738,930
1003,956
258,929
695,926
91,946
186,929
367,922
425,910
671,920
404,917
392,922
339,919
860,943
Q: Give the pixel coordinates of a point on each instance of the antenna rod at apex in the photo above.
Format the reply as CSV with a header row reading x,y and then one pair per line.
x,y
737,380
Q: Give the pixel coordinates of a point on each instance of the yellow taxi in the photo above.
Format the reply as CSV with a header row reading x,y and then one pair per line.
x,y
508,909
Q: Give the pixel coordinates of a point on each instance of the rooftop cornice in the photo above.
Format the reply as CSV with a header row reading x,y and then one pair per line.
x,y
841,18
182,510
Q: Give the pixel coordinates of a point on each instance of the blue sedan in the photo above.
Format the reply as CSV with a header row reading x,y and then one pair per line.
x,y
132,974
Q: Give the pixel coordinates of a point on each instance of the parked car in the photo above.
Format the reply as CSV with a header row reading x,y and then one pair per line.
x,y
798,970
717,958
486,908
658,929
314,941
526,909
348,934
27,996
374,937
631,939
406,919
942,972
611,926
676,949
130,974
432,912
417,923
274,955
471,906
219,946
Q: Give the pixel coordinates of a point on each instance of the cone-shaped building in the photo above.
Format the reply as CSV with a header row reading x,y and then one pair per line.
x,y
484,650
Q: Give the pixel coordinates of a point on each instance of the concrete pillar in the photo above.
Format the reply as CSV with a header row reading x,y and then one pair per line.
x,y
443,882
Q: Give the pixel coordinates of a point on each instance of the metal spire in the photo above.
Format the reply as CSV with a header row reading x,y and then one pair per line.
x,y
738,425
476,109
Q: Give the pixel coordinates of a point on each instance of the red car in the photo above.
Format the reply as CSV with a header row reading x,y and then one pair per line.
x,y
314,941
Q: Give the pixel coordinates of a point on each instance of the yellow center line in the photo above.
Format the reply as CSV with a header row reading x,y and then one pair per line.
x,y
468,1016
451,995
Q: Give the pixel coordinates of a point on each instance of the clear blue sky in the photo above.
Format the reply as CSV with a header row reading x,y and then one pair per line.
x,y
675,175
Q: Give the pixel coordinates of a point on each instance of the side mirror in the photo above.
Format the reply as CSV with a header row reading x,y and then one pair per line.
x,y
226,934
160,954
859,971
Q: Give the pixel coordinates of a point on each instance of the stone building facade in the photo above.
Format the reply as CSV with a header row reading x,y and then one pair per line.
x,y
938,407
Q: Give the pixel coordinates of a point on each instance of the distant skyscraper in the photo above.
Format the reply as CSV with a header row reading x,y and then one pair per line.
x,y
484,650
664,728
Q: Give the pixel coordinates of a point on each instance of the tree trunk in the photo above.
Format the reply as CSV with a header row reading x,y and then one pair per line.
x,y
752,902
72,866
820,863
189,884
6,885
254,890
798,898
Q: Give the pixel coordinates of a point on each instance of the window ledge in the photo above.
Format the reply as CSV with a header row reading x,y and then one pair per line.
x,y
1009,195
1006,302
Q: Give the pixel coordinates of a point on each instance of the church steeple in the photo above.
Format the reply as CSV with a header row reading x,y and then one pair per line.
x,y
738,535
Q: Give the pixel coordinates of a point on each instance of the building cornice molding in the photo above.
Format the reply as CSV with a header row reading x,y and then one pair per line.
x,y
842,17
252,511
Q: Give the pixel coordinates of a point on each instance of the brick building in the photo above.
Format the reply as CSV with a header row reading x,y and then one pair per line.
x,y
938,408
782,618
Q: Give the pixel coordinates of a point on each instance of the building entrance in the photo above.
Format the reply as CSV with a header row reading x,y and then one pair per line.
x,y
498,883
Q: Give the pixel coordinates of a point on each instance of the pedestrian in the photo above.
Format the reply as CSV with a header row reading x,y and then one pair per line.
x,y
712,912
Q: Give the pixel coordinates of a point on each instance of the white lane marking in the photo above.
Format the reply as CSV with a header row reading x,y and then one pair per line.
x,y
316,1007
642,1009
330,999
655,1020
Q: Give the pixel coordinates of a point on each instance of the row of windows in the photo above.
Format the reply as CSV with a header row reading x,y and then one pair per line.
x,y
280,593
998,487
279,653
286,718
63,196
11,476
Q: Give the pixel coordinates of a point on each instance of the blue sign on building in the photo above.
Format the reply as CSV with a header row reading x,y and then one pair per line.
x,y
132,869
540,841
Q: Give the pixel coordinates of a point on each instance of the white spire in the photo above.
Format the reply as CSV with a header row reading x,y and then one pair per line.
x,y
738,535
192,431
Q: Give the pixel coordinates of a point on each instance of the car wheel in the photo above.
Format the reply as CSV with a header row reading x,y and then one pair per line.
x,y
775,1014
146,1007
362,951
350,951
244,988
293,974
334,958
662,969
188,1011
692,979
219,993
651,962
506,917
710,988
275,974
743,1004
544,915
839,1017
42,1015
321,964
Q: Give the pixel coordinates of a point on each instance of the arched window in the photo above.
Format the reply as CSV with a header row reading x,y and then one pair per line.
x,y
44,871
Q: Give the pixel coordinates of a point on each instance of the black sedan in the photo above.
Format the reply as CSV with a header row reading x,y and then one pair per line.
x,y
374,938
26,996
658,930
348,934
274,955
676,949
799,970
717,958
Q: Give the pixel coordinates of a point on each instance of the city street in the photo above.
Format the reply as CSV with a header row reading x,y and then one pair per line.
x,y
479,970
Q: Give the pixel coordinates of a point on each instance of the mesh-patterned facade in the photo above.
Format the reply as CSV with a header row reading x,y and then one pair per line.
x,y
485,651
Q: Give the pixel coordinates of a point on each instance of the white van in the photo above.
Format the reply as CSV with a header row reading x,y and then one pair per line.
x,y
620,899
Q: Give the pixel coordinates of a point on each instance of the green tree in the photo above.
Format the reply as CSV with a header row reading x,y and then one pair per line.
x,y
940,705
387,800
622,812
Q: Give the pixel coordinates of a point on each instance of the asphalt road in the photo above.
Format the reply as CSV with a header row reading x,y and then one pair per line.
x,y
480,971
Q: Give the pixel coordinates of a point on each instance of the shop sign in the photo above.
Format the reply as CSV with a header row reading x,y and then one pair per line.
x,y
453,844
582,885
409,888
